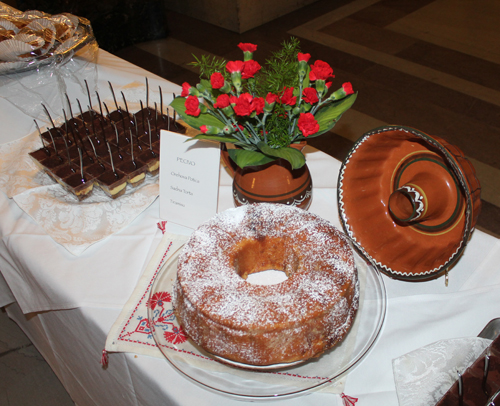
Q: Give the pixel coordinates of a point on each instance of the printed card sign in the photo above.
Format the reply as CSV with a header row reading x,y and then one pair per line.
x,y
189,179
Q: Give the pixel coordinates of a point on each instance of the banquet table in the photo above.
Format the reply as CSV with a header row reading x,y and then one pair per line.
x,y
67,303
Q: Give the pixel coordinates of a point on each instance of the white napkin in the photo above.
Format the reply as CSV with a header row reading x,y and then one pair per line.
x,y
423,376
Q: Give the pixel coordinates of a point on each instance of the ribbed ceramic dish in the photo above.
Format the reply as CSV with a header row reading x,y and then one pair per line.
x,y
373,169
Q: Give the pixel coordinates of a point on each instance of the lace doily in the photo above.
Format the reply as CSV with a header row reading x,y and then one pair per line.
x,y
423,376
73,224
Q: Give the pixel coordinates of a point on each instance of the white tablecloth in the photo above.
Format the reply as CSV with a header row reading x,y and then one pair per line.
x,y
67,304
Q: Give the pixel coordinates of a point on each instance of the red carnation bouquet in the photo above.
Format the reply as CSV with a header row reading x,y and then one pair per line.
x,y
263,109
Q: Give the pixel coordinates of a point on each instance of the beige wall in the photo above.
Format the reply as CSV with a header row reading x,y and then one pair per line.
x,y
236,15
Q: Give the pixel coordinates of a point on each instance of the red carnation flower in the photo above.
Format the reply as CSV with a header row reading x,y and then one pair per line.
x,y
272,98
246,47
234,66
192,106
303,57
258,105
244,105
217,80
309,95
288,97
222,101
347,88
307,124
185,89
233,99
250,68
204,129
320,71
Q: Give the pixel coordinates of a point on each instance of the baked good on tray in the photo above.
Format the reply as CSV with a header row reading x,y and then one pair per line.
x,y
102,147
299,318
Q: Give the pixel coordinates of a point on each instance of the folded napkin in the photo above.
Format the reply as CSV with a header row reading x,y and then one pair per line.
x,y
423,376
74,224
132,332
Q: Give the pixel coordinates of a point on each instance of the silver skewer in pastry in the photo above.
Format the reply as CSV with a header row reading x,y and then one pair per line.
x,y
113,94
111,159
161,101
69,106
99,102
48,115
47,151
485,373
88,92
81,164
460,389
492,399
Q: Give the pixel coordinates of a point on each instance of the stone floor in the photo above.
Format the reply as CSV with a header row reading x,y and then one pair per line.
x,y
429,64
25,378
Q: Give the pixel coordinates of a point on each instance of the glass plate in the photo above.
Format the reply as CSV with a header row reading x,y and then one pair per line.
x,y
281,381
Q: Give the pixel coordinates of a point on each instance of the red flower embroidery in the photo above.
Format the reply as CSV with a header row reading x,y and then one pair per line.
x,y
320,70
310,95
234,66
192,106
258,105
176,336
303,57
222,101
250,68
272,98
246,47
307,124
347,88
158,298
288,97
244,105
185,89
217,80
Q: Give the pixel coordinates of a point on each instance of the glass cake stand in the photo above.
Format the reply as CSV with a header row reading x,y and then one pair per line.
x,y
275,381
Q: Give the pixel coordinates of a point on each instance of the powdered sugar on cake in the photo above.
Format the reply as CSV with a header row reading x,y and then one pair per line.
x,y
321,291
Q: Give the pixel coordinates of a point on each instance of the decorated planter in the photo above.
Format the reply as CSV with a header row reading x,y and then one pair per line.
x,y
274,182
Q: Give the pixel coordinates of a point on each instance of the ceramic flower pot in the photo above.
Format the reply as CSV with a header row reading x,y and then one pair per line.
x,y
275,182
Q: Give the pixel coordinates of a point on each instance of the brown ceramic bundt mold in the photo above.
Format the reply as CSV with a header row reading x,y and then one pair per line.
x,y
410,200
